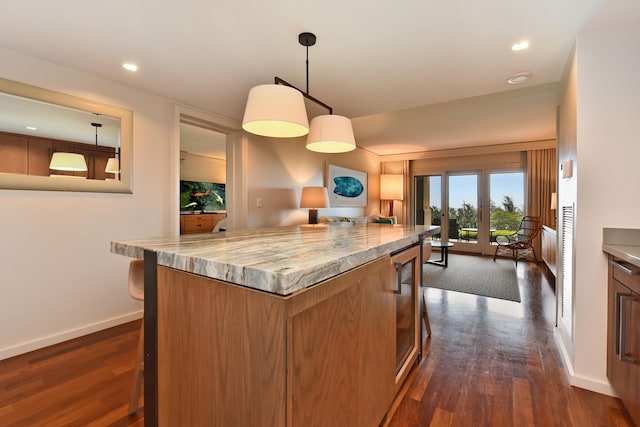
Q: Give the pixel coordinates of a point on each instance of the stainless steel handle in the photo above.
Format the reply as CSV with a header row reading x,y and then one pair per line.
x,y
623,299
398,266
623,268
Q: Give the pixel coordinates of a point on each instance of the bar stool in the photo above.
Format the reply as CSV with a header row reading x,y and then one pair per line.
x,y
136,290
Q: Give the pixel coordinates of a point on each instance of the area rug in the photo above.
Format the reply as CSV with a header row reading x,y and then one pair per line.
x,y
477,275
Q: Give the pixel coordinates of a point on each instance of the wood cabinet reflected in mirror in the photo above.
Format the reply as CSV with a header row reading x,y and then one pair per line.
x,y
35,123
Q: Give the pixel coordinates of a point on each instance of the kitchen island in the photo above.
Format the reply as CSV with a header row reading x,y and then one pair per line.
x,y
283,326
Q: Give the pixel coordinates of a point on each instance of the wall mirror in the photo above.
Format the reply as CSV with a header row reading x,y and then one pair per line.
x,y
37,125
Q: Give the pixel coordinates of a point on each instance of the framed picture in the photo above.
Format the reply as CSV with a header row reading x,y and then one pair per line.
x,y
346,187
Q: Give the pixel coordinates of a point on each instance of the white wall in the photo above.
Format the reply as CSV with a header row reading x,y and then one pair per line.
x,y
606,174
567,194
279,168
58,277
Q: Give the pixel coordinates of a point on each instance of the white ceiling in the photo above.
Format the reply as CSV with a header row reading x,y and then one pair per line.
x,y
202,142
18,115
371,57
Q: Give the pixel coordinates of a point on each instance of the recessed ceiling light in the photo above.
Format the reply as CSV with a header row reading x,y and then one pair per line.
x,y
129,66
521,45
518,78
30,128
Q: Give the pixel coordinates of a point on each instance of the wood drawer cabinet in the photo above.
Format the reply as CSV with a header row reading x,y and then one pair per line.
x,y
323,356
199,223
14,153
30,155
623,334
549,247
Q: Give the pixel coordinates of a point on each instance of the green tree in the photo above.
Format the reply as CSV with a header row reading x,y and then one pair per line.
x,y
467,215
505,220
436,215
508,204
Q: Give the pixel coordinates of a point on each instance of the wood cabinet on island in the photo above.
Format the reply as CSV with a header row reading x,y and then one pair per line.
x,y
286,326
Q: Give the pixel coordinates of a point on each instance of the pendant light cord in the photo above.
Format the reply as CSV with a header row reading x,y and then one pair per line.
x,y
307,70
96,125
305,39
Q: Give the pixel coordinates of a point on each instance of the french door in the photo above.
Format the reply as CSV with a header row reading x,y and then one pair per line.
x,y
464,210
454,200
451,201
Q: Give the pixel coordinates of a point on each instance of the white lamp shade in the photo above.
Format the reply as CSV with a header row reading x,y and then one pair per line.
x,y
314,198
113,165
331,134
276,111
68,162
391,187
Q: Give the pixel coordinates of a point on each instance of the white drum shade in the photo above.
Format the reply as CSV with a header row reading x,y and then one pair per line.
x,y
113,165
276,111
331,134
68,162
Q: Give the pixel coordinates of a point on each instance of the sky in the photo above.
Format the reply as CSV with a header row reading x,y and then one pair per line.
x,y
464,188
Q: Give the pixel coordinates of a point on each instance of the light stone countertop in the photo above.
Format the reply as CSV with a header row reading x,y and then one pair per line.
x,y
623,243
627,253
280,260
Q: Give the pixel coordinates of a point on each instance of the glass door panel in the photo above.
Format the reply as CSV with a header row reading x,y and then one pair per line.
x,y
463,211
506,209
428,199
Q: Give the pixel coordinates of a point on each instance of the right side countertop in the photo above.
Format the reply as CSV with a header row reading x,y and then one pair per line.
x,y
623,243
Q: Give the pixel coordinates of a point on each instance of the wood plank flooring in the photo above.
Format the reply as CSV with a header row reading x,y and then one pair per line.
x,y
492,362
82,382
489,363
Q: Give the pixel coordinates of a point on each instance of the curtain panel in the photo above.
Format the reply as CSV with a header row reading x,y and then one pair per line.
x,y
541,183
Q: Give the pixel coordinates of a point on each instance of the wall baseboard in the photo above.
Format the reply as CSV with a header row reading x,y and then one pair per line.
x,y
39,343
592,384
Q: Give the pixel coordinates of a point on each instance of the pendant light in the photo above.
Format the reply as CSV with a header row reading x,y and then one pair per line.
x,y
113,165
70,162
273,111
331,134
96,125
276,111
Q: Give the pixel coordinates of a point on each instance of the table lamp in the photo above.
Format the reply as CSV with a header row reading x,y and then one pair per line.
x,y
314,198
391,188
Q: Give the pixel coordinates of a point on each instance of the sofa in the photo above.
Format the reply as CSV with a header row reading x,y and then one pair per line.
x,y
358,219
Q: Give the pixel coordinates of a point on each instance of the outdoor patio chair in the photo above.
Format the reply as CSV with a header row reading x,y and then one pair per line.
x,y
519,245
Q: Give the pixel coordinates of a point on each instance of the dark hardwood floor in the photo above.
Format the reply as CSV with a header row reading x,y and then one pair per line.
x,y
492,362
82,382
489,363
